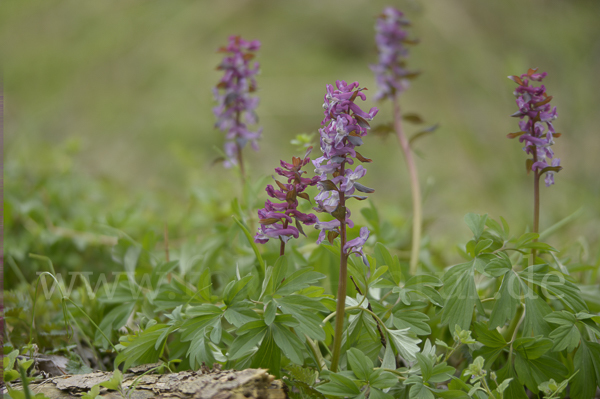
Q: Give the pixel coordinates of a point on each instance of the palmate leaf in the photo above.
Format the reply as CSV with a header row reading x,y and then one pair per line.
x,y
360,364
405,342
461,296
515,388
384,258
587,361
247,339
556,285
289,343
339,385
532,372
507,300
305,311
420,391
415,321
299,280
113,320
536,309
141,349
268,355
240,314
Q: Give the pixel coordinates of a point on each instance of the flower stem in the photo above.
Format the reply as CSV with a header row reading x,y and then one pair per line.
x,y
282,246
415,188
536,203
341,294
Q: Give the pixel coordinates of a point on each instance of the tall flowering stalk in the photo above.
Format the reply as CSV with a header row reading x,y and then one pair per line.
x,y
276,218
236,104
537,133
345,125
392,79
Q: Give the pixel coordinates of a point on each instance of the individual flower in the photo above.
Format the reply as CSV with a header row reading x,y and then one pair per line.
x,y
345,124
537,131
391,74
276,218
236,105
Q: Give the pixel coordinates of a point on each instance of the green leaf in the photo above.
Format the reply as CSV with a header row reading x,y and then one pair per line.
x,y
113,320
532,372
405,342
115,381
420,391
236,290
535,311
339,386
289,343
9,360
499,266
556,285
378,394
461,296
482,246
305,311
268,355
565,337
389,360
562,317
382,379
279,273
270,312
261,262
299,280
240,314
140,349
244,344
532,347
507,301
441,373
451,394
489,337
415,321
384,258
360,364
584,383
426,365
515,389
476,223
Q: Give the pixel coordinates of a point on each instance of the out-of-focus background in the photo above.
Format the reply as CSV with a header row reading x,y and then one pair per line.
x,y
108,118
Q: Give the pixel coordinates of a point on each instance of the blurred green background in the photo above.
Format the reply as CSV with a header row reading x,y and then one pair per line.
x,y
108,118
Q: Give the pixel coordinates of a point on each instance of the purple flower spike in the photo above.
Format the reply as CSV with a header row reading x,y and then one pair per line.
x,y
274,218
537,131
236,105
390,73
345,124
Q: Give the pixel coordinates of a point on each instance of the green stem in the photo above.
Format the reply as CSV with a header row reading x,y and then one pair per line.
x,y
314,347
341,298
342,282
414,186
536,203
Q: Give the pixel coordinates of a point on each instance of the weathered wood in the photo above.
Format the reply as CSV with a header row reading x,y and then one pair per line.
x,y
201,384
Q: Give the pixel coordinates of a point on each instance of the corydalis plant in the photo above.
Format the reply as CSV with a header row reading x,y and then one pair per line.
x,y
345,125
276,218
391,74
537,133
392,79
236,105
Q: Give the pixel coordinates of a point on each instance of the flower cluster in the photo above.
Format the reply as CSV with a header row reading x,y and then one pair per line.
x,y
537,131
345,125
275,218
236,105
390,73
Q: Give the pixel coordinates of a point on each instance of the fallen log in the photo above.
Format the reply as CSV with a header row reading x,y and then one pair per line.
x,y
200,384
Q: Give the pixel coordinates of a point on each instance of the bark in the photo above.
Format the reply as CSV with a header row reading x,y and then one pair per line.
x,y
200,384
